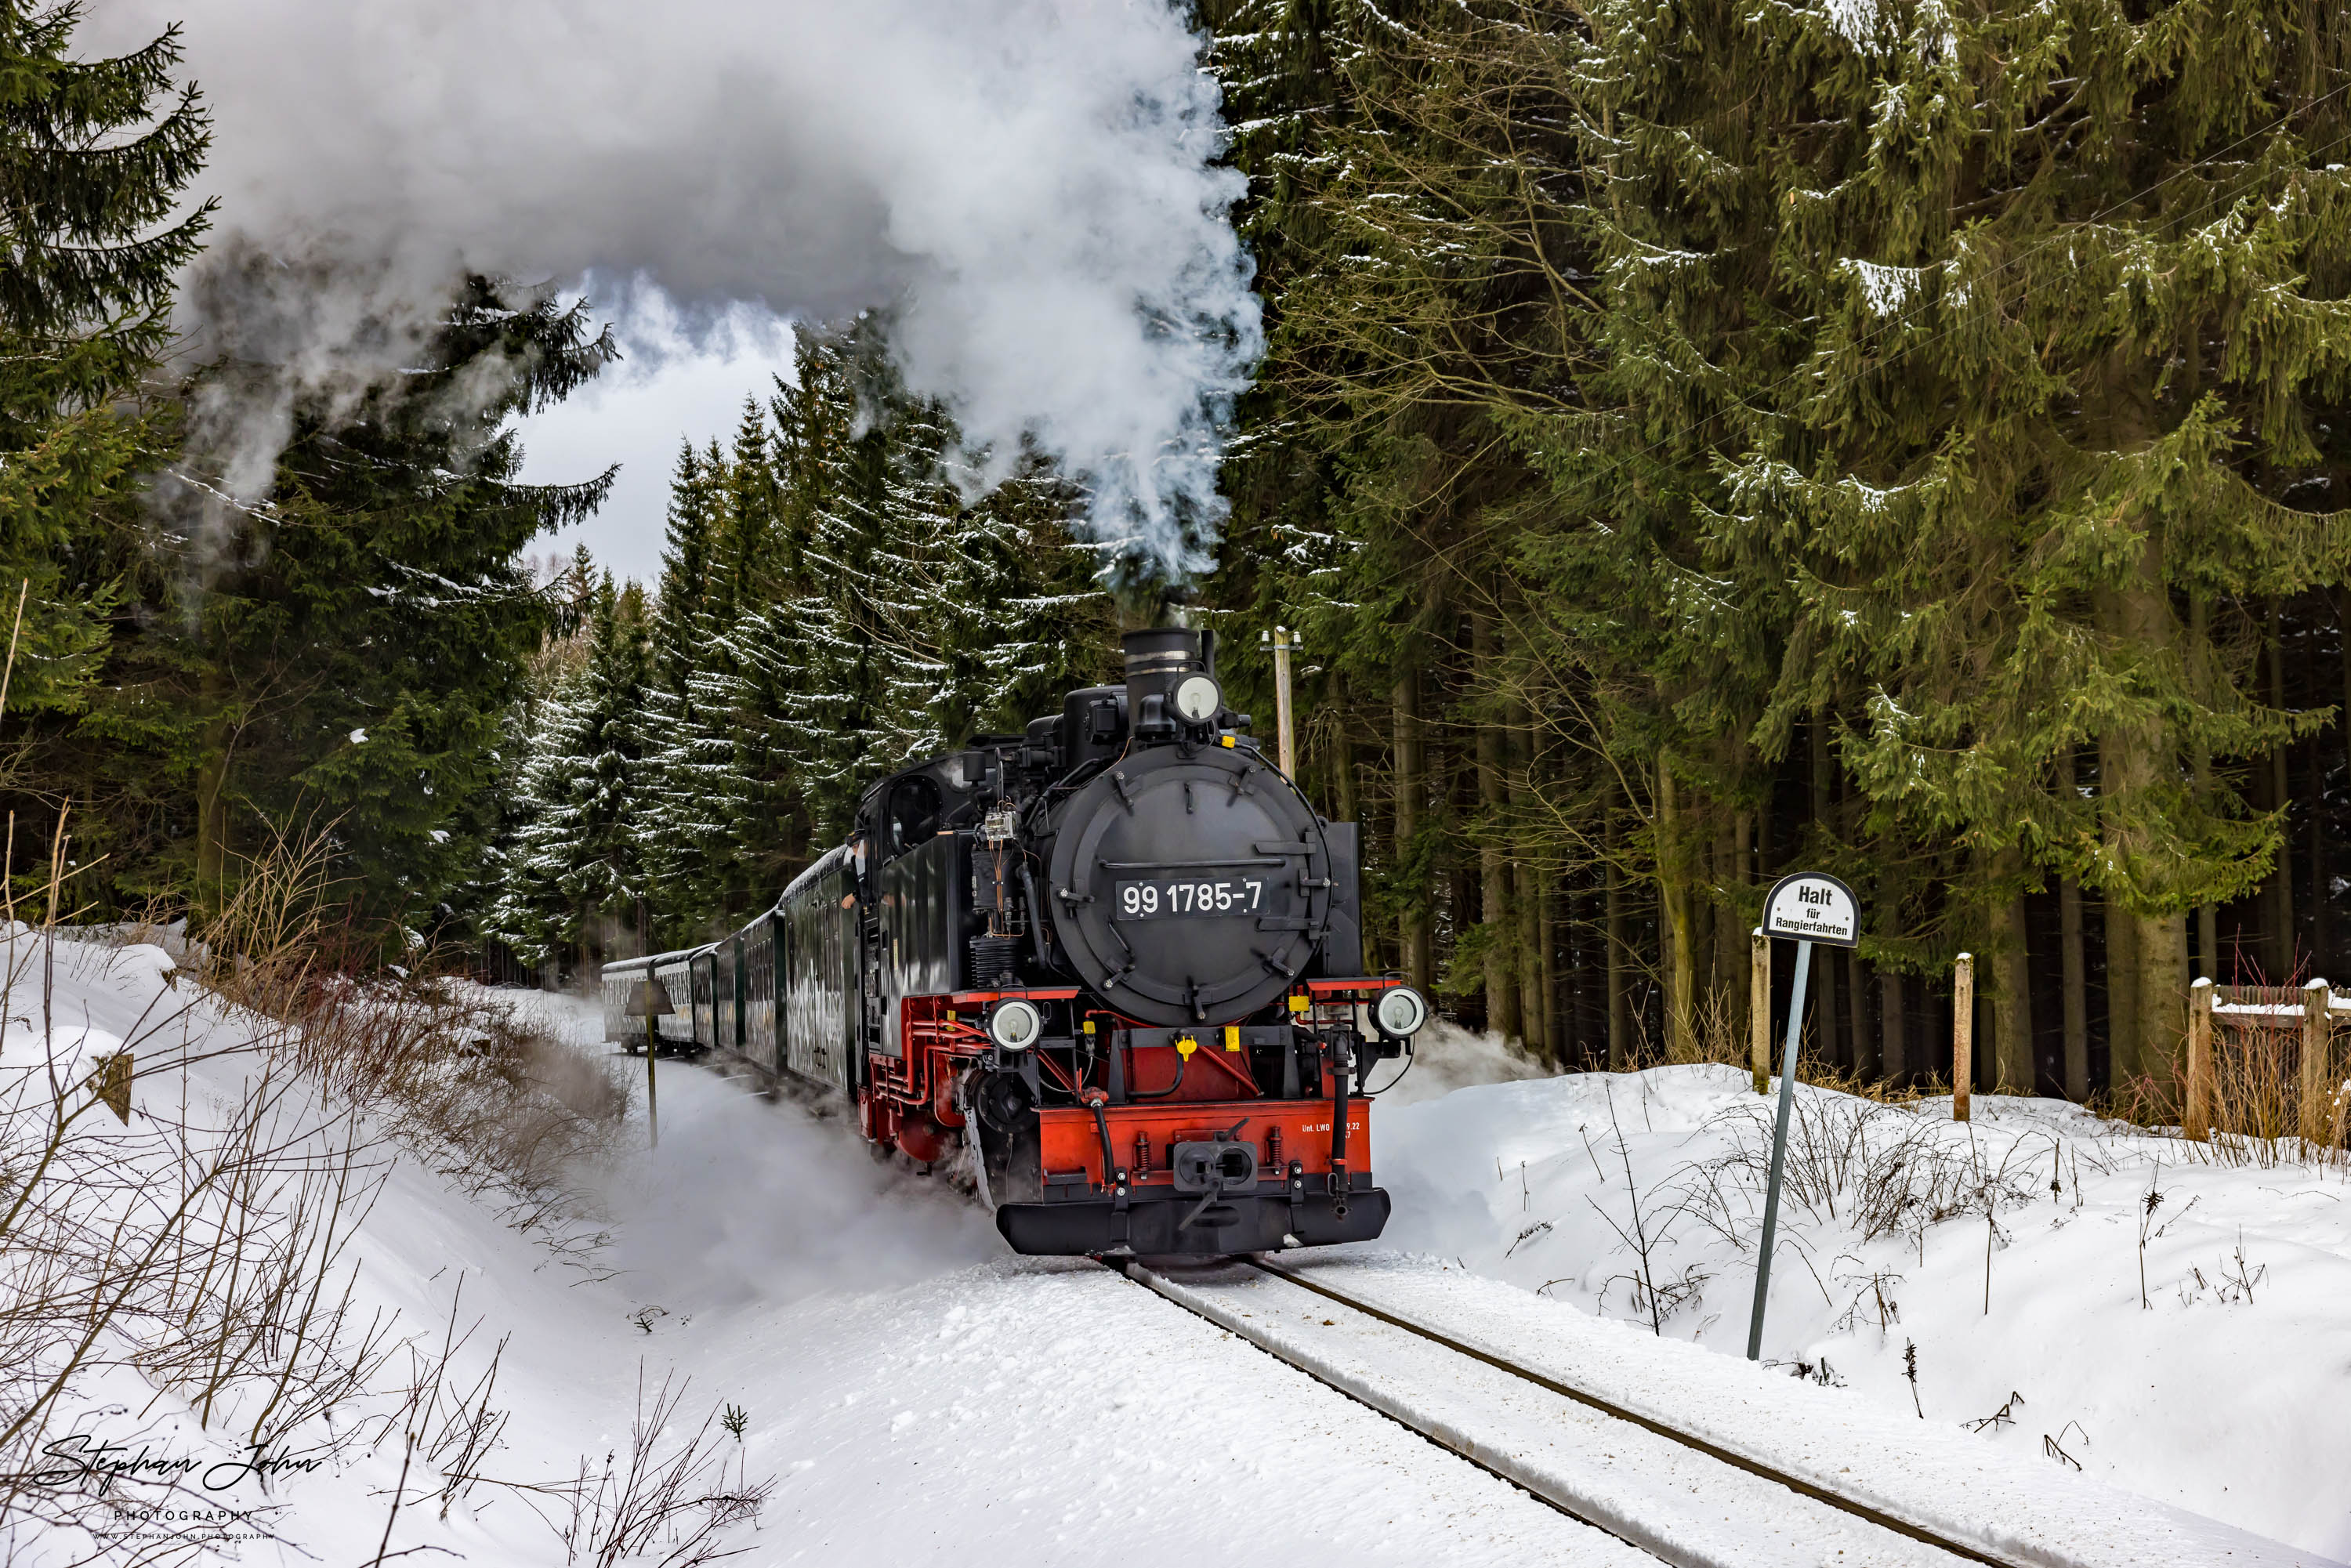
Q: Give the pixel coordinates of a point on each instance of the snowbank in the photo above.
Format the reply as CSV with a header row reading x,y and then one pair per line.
x,y
2001,1260
852,1345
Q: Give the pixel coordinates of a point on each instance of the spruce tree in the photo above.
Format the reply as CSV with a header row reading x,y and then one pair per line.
x,y
839,596
1919,399
1412,181
94,158
919,617
702,725
2005,338
359,635
575,859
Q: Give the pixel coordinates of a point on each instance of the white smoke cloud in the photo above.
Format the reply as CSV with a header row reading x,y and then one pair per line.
x,y
1446,1057
1025,184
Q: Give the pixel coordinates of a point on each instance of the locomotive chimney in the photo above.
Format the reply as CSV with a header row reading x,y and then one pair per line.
x,y
1156,659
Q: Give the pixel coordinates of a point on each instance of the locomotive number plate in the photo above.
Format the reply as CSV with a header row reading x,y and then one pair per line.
x,y
1190,896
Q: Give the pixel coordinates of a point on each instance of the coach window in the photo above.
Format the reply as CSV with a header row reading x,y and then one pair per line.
x,y
913,814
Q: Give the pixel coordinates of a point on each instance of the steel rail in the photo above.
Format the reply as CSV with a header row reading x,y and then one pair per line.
x,y
1924,1534
1459,1445
1151,1281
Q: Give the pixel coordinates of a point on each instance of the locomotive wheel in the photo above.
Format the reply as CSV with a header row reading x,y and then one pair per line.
x,y
1002,1101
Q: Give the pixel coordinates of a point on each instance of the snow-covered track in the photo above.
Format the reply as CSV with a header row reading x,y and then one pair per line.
x,y
1669,1492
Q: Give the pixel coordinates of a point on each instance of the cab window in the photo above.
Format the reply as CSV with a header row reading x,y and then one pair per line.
x,y
913,816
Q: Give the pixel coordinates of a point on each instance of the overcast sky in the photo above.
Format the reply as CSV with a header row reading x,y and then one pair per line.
x,y
1031,188
665,390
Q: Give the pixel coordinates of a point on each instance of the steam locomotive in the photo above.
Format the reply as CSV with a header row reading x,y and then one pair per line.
x,y
1113,964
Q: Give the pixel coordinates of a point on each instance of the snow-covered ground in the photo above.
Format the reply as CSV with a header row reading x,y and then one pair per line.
x,y
2067,1287
913,1391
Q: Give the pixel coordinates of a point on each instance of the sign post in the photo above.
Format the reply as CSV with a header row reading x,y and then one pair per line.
x,y
1811,909
651,1002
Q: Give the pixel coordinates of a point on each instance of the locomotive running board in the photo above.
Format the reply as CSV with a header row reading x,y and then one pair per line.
x,y
1152,1228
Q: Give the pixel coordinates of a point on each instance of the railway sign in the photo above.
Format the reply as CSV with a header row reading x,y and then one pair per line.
x,y
1812,907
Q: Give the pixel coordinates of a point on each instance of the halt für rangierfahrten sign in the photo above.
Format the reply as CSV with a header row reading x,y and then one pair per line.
x,y
1810,907
1812,910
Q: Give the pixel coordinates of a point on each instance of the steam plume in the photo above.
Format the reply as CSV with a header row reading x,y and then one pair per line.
x,y
1025,184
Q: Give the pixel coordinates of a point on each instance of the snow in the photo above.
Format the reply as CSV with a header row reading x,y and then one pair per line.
x,y
1680,1503
880,1338
1040,1410
2286,1012
359,737
1872,498
1446,1057
1858,20
902,1380
2220,1391
1662,1496
1886,289
66,1051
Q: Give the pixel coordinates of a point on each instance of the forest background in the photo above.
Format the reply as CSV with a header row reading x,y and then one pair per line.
x,y
1906,440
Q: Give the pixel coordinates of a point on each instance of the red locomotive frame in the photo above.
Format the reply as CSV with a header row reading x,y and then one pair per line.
x,y
914,1104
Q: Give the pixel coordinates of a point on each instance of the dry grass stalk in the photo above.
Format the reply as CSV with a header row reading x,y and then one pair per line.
x,y
672,1494
202,1248
1721,1037
205,1247
2256,1099
668,1495
497,1104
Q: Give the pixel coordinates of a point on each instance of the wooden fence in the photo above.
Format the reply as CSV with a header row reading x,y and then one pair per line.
x,y
2257,1015
2263,1013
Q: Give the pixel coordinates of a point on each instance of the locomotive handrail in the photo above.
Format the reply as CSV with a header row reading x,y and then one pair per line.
x,y
649,960
1183,866
1183,1061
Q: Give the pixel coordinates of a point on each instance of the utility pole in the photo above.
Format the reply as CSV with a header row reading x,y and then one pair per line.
x,y
1278,639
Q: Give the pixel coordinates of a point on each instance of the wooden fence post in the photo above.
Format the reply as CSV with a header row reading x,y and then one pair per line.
x,y
1963,1034
2318,999
1759,1009
2197,1121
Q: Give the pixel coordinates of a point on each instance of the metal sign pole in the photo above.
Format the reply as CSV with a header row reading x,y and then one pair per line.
x,y
1779,1151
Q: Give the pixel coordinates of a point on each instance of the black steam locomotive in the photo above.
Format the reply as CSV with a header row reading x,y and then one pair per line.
x,y
1113,963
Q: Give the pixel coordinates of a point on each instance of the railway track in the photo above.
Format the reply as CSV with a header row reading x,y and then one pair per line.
x,y
1672,1494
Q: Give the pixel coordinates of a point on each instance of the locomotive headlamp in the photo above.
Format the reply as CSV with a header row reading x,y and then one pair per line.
x,y
1198,698
1014,1024
1400,1012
